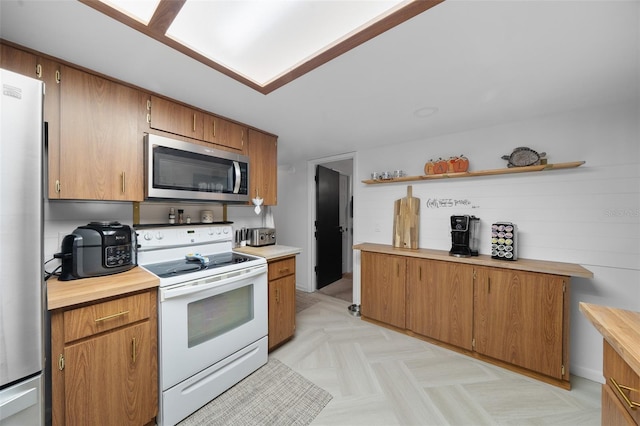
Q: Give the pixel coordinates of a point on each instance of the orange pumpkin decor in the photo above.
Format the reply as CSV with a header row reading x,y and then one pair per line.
x,y
458,164
428,168
440,167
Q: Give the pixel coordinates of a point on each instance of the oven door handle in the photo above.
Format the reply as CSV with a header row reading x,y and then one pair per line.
x,y
204,284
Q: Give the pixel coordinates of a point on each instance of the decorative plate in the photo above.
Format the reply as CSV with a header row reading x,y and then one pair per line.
x,y
523,156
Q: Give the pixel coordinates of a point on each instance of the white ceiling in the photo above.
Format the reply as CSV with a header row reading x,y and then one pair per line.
x,y
480,63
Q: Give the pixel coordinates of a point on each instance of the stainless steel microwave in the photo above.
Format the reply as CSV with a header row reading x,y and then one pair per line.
x,y
181,170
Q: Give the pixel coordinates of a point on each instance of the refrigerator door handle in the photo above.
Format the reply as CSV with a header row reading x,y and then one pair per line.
x,y
18,402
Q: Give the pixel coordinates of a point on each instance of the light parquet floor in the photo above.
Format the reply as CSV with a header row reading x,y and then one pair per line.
x,y
381,377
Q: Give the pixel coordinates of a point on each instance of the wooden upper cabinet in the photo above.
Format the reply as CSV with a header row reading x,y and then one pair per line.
x,y
100,143
263,167
175,118
19,61
224,132
440,301
520,318
48,71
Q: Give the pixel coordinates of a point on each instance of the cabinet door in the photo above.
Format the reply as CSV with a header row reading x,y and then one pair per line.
x,y
50,73
520,317
282,309
19,61
623,382
440,301
223,132
263,167
383,288
109,379
613,412
101,149
175,118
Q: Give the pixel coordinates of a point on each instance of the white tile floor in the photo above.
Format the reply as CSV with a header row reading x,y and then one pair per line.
x,y
381,377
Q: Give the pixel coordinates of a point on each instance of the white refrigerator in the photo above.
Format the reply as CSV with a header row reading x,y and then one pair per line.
x,y
22,303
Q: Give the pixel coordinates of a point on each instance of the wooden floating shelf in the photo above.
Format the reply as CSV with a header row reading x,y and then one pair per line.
x,y
492,172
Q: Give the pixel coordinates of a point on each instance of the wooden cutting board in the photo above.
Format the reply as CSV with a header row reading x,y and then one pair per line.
x,y
406,221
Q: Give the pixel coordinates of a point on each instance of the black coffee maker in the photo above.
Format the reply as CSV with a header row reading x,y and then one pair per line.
x,y
464,236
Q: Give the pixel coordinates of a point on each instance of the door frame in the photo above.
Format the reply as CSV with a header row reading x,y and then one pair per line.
x,y
311,208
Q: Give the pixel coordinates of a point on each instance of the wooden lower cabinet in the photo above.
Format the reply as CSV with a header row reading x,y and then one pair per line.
x,y
282,300
440,301
516,319
621,390
383,288
104,359
522,318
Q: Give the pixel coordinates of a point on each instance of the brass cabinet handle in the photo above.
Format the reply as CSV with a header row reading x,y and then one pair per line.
x,y
632,404
277,295
194,122
214,128
57,186
61,362
283,270
119,314
58,78
123,182
39,70
133,350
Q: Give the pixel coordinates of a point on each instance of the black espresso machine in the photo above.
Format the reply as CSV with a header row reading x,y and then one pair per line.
x,y
464,236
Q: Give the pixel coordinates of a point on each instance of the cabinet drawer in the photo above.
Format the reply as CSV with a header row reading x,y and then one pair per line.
x,y
282,268
89,320
623,381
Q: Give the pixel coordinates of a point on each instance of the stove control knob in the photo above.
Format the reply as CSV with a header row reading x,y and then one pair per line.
x,y
218,231
159,236
147,236
211,231
225,230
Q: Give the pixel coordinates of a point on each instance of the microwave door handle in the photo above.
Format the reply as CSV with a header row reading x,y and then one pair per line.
x,y
236,168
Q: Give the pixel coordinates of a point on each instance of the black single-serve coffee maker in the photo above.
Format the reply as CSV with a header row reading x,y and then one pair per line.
x,y
464,236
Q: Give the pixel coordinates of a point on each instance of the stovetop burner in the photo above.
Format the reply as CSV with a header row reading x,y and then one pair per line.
x,y
183,266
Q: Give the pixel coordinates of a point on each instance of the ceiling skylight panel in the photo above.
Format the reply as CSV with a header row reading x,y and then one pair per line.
x,y
264,39
140,10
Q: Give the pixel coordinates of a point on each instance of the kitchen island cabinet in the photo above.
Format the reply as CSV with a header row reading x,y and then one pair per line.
x,y
104,350
621,362
513,314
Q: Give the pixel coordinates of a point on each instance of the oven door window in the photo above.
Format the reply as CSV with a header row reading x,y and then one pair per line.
x,y
213,316
188,171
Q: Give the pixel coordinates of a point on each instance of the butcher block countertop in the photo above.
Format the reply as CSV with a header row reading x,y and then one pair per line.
x,y
270,252
61,294
542,266
620,328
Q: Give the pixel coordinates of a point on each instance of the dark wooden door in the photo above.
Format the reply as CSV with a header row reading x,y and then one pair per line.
x,y
328,231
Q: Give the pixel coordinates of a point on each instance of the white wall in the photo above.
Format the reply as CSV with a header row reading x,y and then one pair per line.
x,y
588,215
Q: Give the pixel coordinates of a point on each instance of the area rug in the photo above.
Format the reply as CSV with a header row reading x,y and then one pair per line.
x,y
273,395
